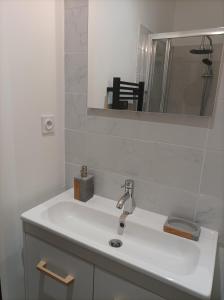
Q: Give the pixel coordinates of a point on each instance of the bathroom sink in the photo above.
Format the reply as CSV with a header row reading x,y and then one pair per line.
x,y
168,252
185,264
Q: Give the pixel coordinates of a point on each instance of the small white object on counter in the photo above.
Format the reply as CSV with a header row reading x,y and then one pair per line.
x,y
184,264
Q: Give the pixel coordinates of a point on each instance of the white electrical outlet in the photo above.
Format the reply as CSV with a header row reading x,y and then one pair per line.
x,y
47,124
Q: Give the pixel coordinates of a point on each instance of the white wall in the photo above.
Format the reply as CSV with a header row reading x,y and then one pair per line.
x,y
114,45
31,84
198,14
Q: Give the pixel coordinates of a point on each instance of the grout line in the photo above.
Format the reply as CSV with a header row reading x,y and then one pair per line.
x,y
75,52
85,131
210,149
72,93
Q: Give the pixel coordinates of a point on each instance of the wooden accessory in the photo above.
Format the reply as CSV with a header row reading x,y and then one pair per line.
x,y
42,267
182,228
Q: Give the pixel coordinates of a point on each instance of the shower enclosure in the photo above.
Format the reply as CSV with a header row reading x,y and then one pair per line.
x,y
184,69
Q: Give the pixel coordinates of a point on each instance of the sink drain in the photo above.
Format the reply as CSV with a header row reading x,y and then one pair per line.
x,y
115,243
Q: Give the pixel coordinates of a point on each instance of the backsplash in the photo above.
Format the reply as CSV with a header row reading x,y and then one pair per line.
x,y
177,163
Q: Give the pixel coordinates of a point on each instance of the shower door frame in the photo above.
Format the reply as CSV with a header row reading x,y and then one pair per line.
x,y
168,36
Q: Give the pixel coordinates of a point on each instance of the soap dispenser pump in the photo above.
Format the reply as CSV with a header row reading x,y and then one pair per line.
x,y
83,185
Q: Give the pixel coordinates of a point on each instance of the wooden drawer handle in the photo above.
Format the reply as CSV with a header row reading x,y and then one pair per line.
x,y
41,266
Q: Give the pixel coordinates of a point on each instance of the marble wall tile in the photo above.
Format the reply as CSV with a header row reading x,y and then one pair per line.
x,y
164,200
149,131
178,166
70,4
210,213
76,73
215,132
162,163
148,195
75,110
105,183
71,170
76,24
75,147
213,174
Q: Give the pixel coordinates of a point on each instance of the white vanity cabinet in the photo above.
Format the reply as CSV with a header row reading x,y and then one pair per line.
x,y
43,285
90,282
110,287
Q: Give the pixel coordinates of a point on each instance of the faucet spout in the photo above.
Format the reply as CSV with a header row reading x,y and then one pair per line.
x,y
127,200
123,199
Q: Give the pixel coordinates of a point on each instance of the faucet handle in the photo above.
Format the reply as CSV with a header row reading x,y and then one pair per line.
x,y
129,184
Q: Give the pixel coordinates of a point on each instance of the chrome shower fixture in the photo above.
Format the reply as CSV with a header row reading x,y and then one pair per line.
x,y
204,49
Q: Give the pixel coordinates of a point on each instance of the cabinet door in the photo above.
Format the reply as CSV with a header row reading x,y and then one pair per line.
x,y
110,287
44,284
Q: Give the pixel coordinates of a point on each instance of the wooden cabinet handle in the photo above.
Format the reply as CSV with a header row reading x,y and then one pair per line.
x,y
41,266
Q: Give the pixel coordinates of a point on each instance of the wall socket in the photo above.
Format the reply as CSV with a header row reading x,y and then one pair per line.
x,y
47,124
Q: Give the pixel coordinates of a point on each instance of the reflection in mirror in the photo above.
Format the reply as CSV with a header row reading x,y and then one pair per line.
x,y
146,56
184,74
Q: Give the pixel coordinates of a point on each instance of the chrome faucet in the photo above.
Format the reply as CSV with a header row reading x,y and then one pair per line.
x,y
127,200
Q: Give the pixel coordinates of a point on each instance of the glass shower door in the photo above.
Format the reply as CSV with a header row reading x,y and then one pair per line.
x,y
158,76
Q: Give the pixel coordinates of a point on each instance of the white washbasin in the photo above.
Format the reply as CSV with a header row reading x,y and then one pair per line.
x,y
185,264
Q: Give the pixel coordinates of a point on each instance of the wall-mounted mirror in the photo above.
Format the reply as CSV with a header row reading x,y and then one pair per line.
x,y
155,55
